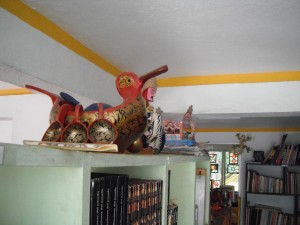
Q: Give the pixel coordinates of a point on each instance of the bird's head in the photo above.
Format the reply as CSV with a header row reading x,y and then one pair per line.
x,y
129,85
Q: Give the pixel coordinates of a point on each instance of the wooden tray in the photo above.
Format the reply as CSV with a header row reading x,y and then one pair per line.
x,y
87,147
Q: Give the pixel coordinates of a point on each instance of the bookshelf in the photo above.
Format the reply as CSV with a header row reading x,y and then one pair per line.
x,y
42,185
270,188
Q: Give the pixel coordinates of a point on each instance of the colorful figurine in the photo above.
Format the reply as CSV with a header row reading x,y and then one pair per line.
x,y
181,133
129,119
155,136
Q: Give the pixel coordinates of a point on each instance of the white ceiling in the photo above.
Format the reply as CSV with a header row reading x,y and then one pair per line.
x,y
193,37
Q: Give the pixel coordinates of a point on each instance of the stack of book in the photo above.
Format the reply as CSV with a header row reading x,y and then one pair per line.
x,y
144,202
109,195
263,214
118,200
263,184
283,155
292,184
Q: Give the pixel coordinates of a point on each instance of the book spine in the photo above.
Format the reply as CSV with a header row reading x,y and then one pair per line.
x,y
129,204
93,200
101,187
113,200
263,184
120,207
98,198
124,213
106,206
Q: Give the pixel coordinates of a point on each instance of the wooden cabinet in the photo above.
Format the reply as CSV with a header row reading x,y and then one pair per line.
x,y
49,186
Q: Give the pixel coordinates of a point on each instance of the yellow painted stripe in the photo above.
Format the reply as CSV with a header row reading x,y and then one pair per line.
x,y
44,25
246,129
15,91
229,79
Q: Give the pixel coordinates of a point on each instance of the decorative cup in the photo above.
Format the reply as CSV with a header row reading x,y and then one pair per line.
x,y
54,131
76,131
102,130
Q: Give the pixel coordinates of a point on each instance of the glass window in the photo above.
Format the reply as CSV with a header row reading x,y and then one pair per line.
x,y
224,169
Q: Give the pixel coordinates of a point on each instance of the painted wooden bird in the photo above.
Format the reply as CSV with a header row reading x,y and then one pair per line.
x,y
129,118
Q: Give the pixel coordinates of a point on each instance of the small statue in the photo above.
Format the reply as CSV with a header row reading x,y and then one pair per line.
x,y
238,149
127,120
155,136
181,133
189,124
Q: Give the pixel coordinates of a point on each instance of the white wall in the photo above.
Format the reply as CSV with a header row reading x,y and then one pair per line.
x,y
24,117
9,75
231,98
28,50
6,131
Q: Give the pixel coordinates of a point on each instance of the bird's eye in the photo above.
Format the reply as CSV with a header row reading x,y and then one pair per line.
x,y
126,81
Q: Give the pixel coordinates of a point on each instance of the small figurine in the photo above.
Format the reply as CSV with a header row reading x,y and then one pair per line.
x,y
155,136
181,133
238,149
189,124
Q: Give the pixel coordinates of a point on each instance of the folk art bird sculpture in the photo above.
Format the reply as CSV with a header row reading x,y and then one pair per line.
x,y
101,123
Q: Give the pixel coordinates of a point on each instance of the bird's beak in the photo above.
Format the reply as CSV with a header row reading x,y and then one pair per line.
x,y
153,73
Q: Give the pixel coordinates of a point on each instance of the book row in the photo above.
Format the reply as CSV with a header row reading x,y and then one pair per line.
x,y
172,214
117,199
268,215
144,202
292,184
283,155
263,184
